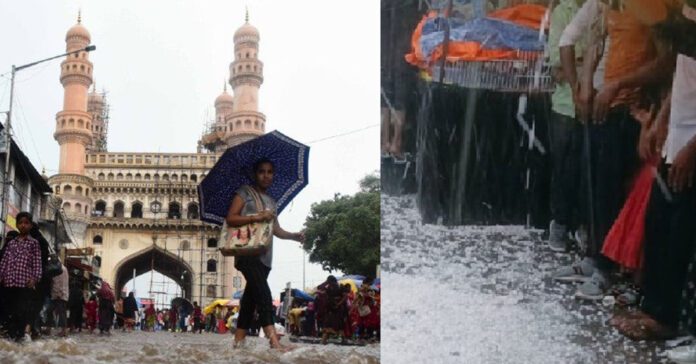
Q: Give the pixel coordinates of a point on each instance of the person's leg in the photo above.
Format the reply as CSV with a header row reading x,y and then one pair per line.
x,y
386,137
257,276
561,129
397,119
669,245
247,305
21,311
62,318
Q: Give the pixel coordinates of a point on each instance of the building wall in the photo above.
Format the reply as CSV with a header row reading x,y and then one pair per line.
x,y
146,178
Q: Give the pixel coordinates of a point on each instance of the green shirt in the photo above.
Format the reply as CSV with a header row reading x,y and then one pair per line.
x,y
562,15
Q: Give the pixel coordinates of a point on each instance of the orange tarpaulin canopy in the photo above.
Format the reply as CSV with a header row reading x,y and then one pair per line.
x,y
528,15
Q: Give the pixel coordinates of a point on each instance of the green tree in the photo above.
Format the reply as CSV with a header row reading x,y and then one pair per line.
x,y
343,233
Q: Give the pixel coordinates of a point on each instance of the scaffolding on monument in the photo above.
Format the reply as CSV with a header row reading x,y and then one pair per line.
x,y
161,288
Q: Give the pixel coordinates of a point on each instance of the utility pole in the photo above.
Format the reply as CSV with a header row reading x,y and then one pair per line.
x,y
8,146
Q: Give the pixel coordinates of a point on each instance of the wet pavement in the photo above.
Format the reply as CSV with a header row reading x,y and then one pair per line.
x,y
184,348
483,295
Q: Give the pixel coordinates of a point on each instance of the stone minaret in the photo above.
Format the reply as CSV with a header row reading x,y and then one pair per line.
x,y
246,76
98,109
74,132
74,123
224,105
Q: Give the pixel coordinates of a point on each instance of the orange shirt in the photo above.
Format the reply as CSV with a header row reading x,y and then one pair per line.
x,y
631,45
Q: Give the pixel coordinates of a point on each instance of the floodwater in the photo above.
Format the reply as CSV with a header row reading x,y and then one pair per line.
x,y
478,294
184,348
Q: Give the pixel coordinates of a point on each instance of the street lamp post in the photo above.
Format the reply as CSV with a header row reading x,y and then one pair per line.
x,y
8,129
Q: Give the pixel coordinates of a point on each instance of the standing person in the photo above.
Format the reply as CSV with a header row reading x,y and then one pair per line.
x,y
130,307
20,271
43,287
60,292
670,233
3,317
182,318
91,313
150,317
118,309
172,319
76,302
197,318
565,134
106,308
257,295
334,319
632,61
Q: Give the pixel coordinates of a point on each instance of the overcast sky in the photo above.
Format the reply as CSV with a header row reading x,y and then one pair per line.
x,y
164,62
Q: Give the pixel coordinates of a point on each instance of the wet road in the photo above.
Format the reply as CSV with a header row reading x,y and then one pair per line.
x,y
184,348
482,295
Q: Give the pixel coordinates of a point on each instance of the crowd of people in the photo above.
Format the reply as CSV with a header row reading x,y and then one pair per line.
x,y
36,297
338,311
623,151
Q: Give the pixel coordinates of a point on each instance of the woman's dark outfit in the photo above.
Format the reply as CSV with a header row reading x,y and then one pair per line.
x,y
76,304
257,295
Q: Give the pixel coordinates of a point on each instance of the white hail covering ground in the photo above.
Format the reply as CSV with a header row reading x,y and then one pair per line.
x,y
482,295
184,348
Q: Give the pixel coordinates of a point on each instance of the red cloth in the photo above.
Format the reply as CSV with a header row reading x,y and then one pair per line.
x,y
624,242
105,292
91,312
222,329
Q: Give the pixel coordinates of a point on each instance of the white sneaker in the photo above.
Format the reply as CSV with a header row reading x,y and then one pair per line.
x,y
557,236
683,354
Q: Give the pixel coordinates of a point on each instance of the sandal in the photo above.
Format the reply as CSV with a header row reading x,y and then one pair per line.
x,y
646,329
621,319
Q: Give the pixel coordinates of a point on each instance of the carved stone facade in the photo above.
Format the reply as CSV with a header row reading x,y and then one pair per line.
x,y
140,211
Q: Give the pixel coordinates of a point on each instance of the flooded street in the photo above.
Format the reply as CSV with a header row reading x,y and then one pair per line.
x,y
483,295
164,347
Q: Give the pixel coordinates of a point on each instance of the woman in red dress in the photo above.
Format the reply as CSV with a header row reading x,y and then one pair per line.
x,y
91,312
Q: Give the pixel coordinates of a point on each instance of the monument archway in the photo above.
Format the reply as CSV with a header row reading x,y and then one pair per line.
x,y
156,259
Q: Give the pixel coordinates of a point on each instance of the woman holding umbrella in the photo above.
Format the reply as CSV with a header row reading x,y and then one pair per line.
x,y
257,294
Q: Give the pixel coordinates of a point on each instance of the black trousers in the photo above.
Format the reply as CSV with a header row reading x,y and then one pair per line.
x,y
257,295
18,310
670,236
75,320
565,138
613,162
106,314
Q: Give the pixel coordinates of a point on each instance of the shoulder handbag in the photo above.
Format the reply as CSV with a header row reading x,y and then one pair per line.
x,y
250,239
53,266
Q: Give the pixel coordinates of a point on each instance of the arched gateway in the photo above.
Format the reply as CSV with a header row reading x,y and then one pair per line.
x,y
156,259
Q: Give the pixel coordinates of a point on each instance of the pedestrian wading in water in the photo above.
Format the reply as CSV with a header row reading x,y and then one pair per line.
x,y
257,294
20,271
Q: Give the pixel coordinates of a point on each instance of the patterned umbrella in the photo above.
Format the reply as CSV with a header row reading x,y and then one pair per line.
x,y
234,169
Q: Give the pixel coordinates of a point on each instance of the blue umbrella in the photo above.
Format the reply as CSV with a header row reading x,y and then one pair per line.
x,y
301,294
355,277
238,295
234,169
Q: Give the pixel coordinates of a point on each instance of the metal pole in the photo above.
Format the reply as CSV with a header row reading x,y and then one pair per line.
x,y
55,229
445,44
200,272
8,147
133,290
